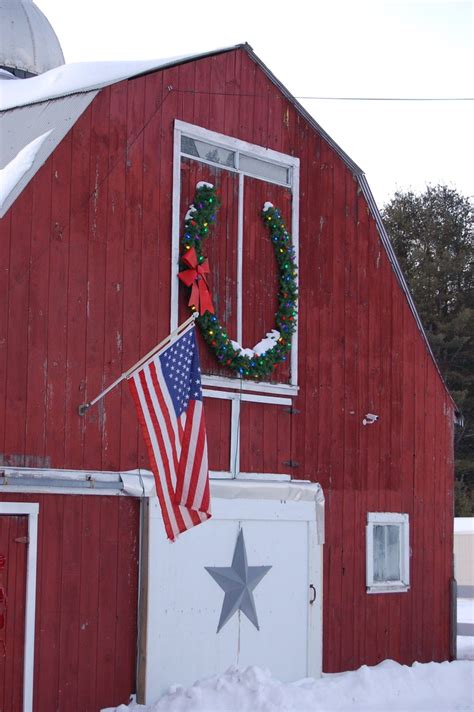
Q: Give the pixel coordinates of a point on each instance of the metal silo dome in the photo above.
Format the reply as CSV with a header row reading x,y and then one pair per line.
x,y
28,43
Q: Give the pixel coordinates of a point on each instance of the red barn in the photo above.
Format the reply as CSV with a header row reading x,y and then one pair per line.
x,y
92,232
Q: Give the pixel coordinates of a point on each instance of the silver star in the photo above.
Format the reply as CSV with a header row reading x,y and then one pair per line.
x,y
238,582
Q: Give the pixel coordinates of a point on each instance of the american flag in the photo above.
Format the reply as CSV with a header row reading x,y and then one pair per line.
x,y
168,396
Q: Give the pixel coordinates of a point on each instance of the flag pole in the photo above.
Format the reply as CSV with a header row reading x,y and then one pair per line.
x,y
84,407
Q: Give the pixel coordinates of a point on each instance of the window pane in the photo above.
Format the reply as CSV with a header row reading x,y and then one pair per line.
x,y
392,559
386,552
263,169
201,149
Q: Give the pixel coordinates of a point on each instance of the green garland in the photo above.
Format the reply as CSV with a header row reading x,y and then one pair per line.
x,y
197,225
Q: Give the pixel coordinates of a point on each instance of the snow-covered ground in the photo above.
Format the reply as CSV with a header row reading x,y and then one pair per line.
x,y
465,646
433,687
465,610
465,643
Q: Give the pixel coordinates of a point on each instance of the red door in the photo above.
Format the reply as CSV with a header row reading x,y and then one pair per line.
x,y
13,560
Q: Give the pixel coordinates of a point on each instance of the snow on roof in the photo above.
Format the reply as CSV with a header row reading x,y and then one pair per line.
x,y
21,126
81,77
18,166
71,79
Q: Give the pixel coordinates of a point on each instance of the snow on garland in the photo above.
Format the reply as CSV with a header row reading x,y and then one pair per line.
x,y
270,351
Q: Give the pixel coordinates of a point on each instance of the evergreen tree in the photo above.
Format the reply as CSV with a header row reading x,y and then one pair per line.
x,y
432,234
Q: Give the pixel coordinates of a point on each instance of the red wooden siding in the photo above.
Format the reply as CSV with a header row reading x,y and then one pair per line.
x,y
13,555
218,415
88,291
86,603
265,438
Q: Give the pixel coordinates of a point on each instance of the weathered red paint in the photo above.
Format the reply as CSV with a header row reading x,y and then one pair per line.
x,y
86,604
12,610
85,258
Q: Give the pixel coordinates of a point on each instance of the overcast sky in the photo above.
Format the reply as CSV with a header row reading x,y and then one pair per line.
x,y
336,48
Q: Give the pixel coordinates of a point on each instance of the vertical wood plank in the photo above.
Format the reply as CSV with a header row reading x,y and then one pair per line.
x,y
12,634
77,291
107,601
38,315
49,603
127,597
17,334
217,94
5,239
89,611
57,300
96,278
68,623
124,156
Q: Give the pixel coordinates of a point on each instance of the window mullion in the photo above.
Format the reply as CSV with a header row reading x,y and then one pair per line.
x,y
386,554
240,245
235,438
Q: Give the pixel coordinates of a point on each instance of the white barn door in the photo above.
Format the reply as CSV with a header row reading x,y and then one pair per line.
x,y
195,584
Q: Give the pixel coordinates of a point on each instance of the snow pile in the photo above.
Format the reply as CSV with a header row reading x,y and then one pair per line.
x,y
444,687
203,184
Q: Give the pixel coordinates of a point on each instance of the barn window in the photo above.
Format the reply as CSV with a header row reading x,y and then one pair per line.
x,y
246,176
244,286
388,564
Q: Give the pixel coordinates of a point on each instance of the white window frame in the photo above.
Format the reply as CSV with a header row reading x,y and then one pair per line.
x,y
240,147
233,471
30,510
388,518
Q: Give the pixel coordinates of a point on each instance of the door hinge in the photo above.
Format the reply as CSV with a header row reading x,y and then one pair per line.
x,y
291,463
291,410
22,540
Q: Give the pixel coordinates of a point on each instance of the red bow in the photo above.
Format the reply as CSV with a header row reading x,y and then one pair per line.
x,y
195,277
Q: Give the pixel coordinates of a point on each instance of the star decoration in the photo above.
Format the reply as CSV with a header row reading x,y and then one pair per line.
x,y
238,582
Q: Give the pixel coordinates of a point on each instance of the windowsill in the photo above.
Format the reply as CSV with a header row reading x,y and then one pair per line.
x,y
398,587
242,385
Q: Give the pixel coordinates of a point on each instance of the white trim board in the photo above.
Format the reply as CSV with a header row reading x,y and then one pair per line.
x,y
246,397
402,522
135,483
31,510
283,389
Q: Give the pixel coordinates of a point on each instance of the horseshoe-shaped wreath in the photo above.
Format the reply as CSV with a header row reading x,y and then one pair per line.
x,y
264,357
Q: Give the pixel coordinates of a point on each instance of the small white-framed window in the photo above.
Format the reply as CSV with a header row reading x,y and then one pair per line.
x,y
387,552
